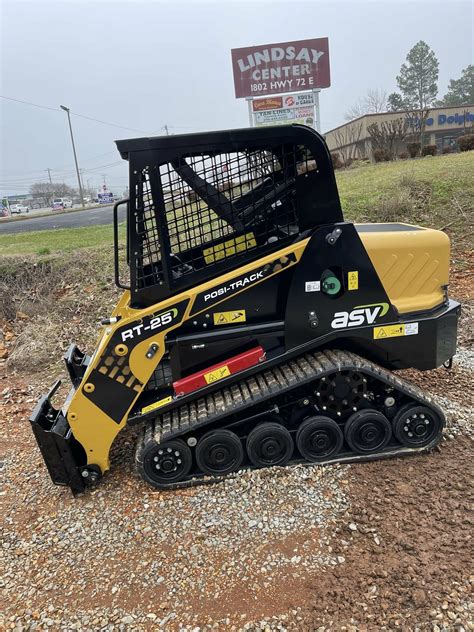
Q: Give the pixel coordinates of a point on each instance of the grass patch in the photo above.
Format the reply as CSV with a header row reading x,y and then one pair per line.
x,y
59,240
434,191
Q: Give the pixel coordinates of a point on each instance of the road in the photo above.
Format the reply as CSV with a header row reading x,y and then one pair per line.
x,y
92,217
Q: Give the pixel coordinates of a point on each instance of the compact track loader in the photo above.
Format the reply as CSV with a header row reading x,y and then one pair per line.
x,y
256,327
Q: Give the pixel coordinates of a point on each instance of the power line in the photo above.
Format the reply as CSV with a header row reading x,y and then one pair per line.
x,y
36,105
90,118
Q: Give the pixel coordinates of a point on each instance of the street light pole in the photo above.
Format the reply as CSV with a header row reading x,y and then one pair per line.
x,y
63,107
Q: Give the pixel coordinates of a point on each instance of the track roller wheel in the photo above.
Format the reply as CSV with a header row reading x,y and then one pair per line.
x,y
166,463
416,426
219,452
367,431
319,438
269,444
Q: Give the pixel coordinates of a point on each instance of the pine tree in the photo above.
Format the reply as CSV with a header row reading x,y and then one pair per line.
x,y
418,86
461,91
418,77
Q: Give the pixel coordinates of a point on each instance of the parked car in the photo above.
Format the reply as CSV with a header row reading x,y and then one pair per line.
x,y
16,209
62,203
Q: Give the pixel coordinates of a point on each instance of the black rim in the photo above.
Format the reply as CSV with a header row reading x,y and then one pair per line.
x,y
319,440
272,446
417,427
369,434
220,453
168,462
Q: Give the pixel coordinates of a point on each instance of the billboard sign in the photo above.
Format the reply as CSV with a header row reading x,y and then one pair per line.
x,y
281,68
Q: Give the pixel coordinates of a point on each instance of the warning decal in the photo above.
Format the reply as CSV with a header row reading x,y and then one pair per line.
x,y
393,331
217,374
353,280
158,404
228,318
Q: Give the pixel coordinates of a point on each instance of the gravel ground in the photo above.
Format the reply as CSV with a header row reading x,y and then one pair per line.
x,y
375,546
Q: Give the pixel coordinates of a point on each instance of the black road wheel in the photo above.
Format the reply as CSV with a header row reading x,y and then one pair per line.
x,y
269,444
416,426
367,431
166,463
219,452
319,438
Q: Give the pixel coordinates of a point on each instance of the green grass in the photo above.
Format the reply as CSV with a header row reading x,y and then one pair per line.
x,y
58,240
434,191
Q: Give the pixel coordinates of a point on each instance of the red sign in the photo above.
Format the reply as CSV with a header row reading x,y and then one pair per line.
x,y
279,68
267,104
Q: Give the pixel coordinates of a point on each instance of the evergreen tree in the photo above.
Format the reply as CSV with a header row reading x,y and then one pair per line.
x,y
461,91
418,77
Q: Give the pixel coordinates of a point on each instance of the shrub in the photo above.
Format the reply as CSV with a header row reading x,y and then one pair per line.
x,y
466,143
336,160
429,150
446,150
398,207
403,155
381,155
413,149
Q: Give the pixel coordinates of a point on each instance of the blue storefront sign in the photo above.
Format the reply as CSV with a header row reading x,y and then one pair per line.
x,y
452,119
105,198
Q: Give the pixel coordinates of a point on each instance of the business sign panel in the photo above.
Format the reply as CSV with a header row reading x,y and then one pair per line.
x,y
281,68
105,198
285,116
304,99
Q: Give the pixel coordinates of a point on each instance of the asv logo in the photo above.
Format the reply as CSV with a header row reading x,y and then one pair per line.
x,y
360,315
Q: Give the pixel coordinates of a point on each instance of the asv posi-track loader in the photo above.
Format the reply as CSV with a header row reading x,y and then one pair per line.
x,y
258,328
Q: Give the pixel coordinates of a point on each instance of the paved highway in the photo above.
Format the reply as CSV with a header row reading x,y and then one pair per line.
x,y
74,219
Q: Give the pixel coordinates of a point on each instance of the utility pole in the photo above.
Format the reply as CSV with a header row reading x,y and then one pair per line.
x,y
63,107
105,183
49,174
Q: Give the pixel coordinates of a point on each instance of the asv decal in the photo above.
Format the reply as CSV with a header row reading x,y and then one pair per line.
x,y
150,324
360,315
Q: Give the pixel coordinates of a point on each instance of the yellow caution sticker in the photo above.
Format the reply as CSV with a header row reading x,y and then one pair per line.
x,y
229,248
393,331
217,374
158,404
228,318
353,280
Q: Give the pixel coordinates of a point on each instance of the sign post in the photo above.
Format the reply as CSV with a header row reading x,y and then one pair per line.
x,y
250,108
317,116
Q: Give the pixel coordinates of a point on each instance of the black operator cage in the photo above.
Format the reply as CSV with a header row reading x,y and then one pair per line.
x,y
203,204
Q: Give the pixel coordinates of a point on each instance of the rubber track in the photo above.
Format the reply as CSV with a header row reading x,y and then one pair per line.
x,y
275,381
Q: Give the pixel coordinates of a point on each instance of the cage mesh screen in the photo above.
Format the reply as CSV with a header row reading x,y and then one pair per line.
x,y
214,207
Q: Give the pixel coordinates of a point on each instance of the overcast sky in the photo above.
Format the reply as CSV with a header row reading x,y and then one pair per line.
x,y
142,65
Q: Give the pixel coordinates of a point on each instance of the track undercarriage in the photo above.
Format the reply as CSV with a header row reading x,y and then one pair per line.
x,y
323,407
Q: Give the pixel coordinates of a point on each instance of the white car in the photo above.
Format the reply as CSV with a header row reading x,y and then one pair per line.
x,y
19,208
62,203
